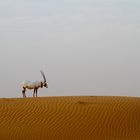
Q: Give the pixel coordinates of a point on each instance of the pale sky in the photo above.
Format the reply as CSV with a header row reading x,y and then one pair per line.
x,y
85,47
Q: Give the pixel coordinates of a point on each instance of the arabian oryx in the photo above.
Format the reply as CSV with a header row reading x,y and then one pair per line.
x,y
34,85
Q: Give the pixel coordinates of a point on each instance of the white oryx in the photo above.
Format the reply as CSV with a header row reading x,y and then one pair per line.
x,y
34,85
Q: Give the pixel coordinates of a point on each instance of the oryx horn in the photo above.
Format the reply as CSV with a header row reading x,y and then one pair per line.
x,y
42,73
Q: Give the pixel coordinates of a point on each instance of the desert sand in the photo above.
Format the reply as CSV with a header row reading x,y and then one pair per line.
x,y
70,118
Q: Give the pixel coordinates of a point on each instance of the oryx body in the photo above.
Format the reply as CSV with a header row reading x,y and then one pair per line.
x,y
31,85
34,85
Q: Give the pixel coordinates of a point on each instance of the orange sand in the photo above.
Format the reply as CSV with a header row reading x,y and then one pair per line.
x,y
70,118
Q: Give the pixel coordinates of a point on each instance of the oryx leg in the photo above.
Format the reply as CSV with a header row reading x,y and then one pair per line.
x,y
23,92
36,92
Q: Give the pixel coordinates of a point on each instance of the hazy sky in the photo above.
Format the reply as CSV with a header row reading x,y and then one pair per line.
x,y
85,47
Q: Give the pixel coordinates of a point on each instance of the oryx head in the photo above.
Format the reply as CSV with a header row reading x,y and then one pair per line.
x,y
45,84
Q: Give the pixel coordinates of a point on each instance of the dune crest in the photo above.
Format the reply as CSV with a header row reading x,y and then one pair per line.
x,y
70,118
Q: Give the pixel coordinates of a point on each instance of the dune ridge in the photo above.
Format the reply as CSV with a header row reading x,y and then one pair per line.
x,y
70,118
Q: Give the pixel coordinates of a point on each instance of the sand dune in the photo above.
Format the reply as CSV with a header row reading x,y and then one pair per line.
x,y
70,118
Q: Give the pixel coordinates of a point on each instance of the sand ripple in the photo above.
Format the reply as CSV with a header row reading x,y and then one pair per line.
x,y
70,118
